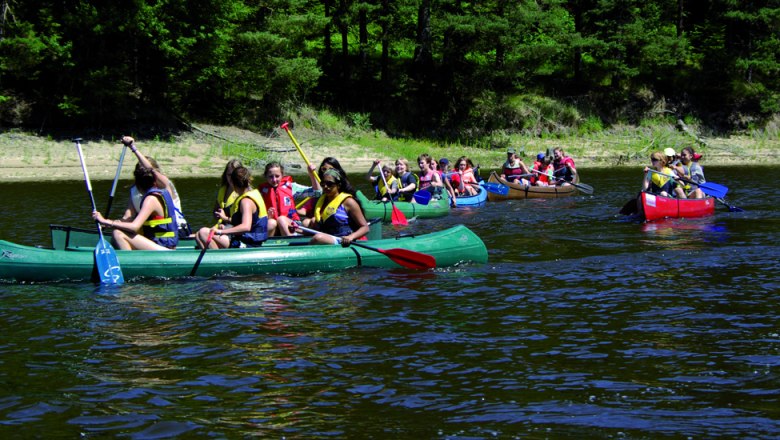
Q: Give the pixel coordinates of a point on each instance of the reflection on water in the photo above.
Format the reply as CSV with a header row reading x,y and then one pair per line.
x,y
581,325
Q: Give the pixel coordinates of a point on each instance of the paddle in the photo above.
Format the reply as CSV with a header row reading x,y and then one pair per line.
x,y
496,188
631,207
585,189
402,257
286,127
205,248
116,179
731,208
398,217
105,257
709,188
422,197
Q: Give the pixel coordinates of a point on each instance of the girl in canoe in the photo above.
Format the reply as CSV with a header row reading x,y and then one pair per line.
x,y
660,182
544,170
446,178
155,218
690,170
162,182
226,194
337,213
248,220
514,168
408,181
279,196
383,192
429,179
465,169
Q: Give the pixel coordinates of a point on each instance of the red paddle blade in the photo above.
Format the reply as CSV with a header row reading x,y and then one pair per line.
x,y
398,217
410,259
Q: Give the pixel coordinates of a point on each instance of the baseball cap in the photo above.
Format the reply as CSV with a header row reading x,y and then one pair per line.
x,y
444,161
696,156
510,151
669,152
540,156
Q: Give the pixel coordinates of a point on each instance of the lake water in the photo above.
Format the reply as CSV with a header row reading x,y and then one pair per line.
x,y
581,325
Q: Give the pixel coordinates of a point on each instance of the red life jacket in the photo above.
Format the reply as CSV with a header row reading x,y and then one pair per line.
x,y
280,198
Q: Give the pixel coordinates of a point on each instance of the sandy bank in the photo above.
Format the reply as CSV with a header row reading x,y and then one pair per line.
x,y
25,157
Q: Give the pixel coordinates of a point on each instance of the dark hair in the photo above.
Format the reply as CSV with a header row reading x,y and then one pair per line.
x,y
241,177
690,151
274,164
144,178
344,185
229,168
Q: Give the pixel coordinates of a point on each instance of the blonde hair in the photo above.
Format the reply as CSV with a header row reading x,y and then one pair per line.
x,y
659,157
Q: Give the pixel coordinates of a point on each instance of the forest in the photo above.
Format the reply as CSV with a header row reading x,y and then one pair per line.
x,y
434,68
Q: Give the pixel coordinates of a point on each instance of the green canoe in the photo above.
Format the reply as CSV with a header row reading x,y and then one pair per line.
x,y
384,210
19,263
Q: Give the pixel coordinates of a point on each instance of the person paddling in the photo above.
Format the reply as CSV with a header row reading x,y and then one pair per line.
x,y
279,197
155,218
337,213
514,168
660,182
248,221
161,181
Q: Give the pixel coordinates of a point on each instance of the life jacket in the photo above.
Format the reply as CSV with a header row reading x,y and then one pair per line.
x,y
223,203
512,169
406,179
164,229
659,183
544,174
280,198
466,177
562,171
184,230
333,219
381,188
425,181
259,231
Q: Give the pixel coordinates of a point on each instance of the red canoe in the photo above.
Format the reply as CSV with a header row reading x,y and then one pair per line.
x,y
652,207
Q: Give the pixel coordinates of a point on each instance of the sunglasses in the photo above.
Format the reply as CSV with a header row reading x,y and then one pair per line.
x,y
328,184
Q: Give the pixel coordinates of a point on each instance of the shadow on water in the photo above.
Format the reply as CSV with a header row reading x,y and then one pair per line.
x,y
583,324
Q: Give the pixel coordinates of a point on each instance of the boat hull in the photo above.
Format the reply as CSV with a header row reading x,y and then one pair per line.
x,y
384,210
476,200
654,207
19,263
518,191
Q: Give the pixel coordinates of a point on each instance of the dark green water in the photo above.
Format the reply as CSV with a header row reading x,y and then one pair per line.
x,y
581,325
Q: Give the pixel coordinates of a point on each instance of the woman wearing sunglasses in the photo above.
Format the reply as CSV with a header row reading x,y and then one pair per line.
x,y
337,213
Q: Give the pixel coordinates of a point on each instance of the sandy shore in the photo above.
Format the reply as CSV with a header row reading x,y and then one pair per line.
x,y
25,157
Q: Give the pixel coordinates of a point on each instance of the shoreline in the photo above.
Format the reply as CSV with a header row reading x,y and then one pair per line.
x,y
25,157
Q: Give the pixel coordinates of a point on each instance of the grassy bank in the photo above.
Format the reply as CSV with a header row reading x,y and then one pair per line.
x,y
204,149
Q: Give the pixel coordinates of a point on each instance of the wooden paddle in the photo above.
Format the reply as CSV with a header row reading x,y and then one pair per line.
x,y
585,189
402,257
116,179
106,261
398,217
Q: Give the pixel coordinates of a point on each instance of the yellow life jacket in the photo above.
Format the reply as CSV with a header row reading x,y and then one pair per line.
x,y
660,180
226,204
382,187
256,197
320,214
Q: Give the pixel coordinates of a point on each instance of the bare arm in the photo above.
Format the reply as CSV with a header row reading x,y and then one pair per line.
x,y
247,208
356,214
